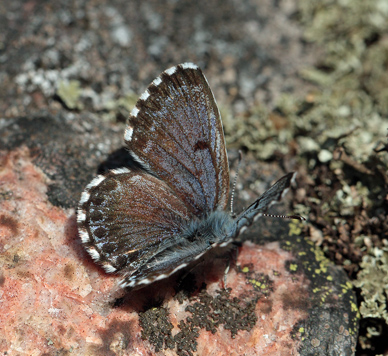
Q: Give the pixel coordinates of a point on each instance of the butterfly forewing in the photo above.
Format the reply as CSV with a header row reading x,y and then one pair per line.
x,y
126,217
175,131
272,196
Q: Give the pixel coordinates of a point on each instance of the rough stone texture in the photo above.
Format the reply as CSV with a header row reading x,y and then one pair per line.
x,y
251,50
283,297
68,71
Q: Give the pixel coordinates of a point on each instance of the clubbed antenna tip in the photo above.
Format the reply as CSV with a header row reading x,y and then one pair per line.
x,y
295,217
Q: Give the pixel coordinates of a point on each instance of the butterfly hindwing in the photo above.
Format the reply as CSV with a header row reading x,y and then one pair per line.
x,y
126,217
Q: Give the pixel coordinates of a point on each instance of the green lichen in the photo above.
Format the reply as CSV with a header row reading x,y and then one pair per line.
x,y
70,92
245,270
350,199
349,106
348,110
120,107
127,102
296,227
352,74
257,132
373,281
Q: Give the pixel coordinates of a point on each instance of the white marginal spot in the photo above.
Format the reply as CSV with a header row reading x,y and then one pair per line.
x,y
138,160
135,282
144,281
95,182
134,111
226,243
81,216
198,256
165,275
120,170
183,265
83,234
128,133
156,81
170,71
158,278
84,197
109,268
124,284
242,229
293,179
257,216
145,95
189,65
93,252
284,193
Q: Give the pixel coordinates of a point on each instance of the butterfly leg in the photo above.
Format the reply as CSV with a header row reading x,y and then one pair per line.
x,y
231,261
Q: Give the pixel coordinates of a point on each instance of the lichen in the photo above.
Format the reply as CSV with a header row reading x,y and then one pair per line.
x,y
119,109
349,106
342,124
261,132
70,92
373,282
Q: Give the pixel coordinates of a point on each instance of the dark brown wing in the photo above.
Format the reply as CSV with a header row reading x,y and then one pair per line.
x,y
175,132
126,217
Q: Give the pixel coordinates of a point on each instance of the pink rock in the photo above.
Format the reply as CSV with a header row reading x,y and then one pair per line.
x,y
54,298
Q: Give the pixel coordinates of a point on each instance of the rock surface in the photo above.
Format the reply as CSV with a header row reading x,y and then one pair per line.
x,y
68,71
283,294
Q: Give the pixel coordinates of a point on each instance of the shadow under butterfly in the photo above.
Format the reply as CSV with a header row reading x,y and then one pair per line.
x,y
147,223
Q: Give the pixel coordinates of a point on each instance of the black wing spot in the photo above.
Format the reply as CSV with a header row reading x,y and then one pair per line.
x,y
201,145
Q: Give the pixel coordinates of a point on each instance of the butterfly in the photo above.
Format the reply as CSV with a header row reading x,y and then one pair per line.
x,y
147,223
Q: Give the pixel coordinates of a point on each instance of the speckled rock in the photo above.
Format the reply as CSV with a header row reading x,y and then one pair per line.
x,y
68,71
281,293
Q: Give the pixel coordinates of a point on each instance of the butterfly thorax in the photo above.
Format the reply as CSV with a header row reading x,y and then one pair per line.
x,y
215,228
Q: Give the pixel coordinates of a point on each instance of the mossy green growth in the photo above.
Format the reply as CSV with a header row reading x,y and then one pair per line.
x,y
373,282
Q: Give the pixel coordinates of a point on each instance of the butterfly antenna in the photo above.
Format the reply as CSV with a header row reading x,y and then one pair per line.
x,y
296,217
240,156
